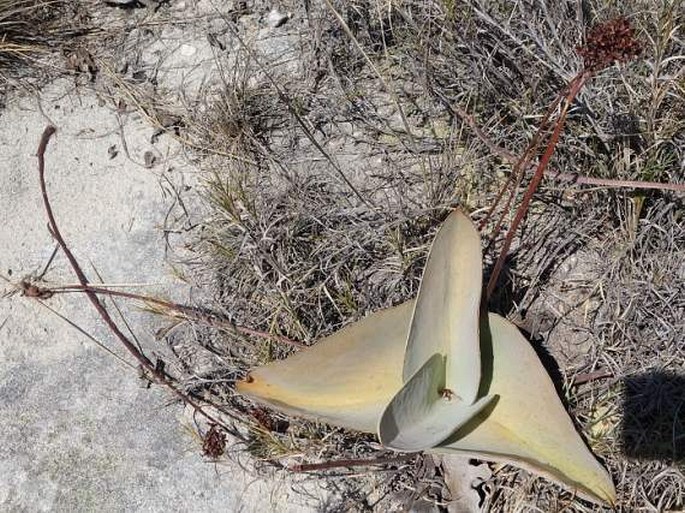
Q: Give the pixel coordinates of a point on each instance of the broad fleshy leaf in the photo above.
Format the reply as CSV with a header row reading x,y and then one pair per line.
x,y
445,319
442,367
423,413
528,425
425,375
346,379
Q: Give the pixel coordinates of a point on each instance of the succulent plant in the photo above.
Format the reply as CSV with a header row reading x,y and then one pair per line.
x,y
435,374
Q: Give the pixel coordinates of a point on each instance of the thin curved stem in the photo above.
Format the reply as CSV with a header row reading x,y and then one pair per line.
x,y
147,364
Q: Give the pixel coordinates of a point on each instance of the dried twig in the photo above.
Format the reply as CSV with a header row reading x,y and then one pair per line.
x,y
327,465
587,377
198,314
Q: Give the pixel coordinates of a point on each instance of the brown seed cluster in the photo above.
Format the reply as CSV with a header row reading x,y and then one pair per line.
x,y
28,289
268,422
613,41
214,444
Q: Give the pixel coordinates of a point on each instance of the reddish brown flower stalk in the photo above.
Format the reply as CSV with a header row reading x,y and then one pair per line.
x,y
360,462
607,43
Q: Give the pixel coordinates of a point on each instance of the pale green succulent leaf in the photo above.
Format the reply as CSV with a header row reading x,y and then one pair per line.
x,y
349,378
445,318
528,426
397,361
424,413
346,379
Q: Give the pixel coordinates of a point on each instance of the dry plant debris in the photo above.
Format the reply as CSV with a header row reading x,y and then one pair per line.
x,y
32,30
214,444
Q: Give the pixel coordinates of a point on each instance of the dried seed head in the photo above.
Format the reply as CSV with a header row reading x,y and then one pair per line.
x,y
269,422
214,443
613,41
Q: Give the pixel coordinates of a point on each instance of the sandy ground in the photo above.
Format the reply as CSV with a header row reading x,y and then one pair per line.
x,y
79,431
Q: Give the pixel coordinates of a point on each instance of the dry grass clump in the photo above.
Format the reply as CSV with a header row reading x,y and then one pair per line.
x,y
642,329
31,30
619,308
346,156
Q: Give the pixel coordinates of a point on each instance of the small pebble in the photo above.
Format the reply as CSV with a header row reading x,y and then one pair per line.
x,y
149,159
188,50
275,18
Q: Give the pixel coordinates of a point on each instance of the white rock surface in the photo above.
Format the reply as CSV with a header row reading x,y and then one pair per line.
x,y
78,432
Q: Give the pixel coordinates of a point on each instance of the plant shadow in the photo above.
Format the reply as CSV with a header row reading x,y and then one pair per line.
x,y
506,293
653,426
